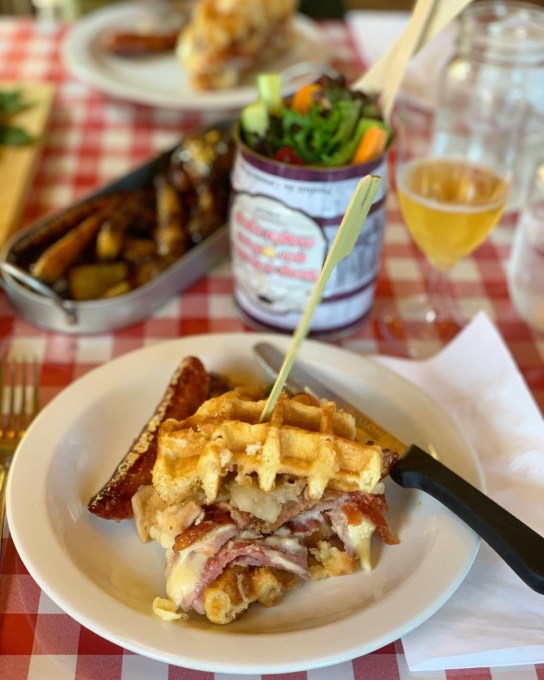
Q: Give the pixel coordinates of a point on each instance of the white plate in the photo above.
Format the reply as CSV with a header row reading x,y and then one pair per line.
x,y
100,573
160,80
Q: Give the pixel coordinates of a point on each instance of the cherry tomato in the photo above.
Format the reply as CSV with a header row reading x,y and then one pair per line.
x,y
285,154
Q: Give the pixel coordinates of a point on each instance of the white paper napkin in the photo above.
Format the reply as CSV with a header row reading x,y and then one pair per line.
x,y
374,32
494,618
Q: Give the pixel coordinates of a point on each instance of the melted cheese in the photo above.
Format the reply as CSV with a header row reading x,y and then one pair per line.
x,y
359,536
267,506
184,574
186,567
278,559
167,610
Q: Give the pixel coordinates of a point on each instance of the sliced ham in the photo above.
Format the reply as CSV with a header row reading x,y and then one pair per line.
x,y
203,551
273,551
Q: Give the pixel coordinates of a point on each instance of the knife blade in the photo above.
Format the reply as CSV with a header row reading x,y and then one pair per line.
x,y
517,544
301,380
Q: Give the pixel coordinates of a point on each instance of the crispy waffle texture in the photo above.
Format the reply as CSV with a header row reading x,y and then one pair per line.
x,y
315,443
237,588
226,39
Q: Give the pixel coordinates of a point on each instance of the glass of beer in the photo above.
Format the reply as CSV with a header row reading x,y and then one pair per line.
x,y
452,186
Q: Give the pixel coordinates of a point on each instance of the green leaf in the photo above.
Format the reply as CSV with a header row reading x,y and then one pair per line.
x,y
11,102
350,115
345,153
12,135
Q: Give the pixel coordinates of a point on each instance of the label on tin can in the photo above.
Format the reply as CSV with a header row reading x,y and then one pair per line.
x,y
283,220
277,266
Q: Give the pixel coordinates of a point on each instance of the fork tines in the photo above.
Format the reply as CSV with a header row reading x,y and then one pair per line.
x,y
19,393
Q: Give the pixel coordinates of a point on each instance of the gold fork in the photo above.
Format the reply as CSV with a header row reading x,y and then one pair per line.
x,y
19,403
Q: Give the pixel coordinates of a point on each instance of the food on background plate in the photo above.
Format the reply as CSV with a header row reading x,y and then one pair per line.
x,y
227,39
156,32
246,510
322,124
112,244
138,42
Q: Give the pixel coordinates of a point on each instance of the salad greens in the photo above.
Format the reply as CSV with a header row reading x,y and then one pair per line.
x,y
322,124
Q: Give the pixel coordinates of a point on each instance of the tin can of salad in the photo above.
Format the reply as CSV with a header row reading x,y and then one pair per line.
x,y
283,220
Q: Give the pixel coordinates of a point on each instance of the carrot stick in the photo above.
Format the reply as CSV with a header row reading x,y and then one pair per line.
x,y
371,146
303,98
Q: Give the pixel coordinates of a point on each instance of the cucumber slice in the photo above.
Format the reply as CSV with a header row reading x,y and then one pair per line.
x,y
269,89
254,119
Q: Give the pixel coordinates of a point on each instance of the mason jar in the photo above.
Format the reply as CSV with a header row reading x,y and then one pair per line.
x,y
499,57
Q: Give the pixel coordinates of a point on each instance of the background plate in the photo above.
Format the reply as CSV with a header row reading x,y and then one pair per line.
x,y
160,80
100,573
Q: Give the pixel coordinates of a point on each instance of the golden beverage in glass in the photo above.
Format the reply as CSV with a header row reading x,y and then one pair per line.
x,y
449,205
452,185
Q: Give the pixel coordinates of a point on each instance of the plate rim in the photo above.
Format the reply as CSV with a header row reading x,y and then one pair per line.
x,y
405,623
76,52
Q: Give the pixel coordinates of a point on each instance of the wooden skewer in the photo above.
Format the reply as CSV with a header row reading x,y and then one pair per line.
x,y
347,234
428,18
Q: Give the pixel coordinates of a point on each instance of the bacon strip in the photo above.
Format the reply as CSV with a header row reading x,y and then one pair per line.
x,y
360,505
374,506
134,44
213,518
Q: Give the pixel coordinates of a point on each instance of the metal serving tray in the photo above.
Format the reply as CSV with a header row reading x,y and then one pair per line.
x,y
99,316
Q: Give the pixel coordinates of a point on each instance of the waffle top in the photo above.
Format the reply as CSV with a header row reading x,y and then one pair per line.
x,y
314,442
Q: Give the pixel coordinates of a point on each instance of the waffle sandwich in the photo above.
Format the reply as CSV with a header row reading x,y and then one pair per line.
x,y
227,39
246,510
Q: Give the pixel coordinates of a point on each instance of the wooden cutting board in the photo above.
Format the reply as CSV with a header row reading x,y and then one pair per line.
x,y
18,164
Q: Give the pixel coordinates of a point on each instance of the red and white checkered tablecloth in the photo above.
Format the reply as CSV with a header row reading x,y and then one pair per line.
x,y
92,139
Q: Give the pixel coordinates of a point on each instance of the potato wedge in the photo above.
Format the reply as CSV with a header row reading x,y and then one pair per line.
x,y
56,227
90,281
170,234
136,211
55,261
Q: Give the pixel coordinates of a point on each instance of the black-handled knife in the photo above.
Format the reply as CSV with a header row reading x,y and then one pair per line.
x,y
520,547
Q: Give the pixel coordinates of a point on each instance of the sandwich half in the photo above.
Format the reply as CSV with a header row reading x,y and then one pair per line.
x,y
246,510
227,39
